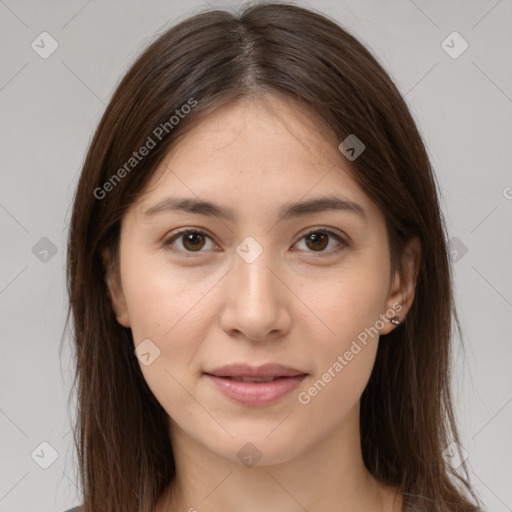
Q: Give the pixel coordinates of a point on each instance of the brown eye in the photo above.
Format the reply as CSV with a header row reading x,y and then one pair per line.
x,y
320,241
317,241
193,241
189,241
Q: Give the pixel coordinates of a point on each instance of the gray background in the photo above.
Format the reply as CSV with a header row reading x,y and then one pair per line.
x,y
50,107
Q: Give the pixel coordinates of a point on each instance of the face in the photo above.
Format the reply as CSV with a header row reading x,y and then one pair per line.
x,y
253,280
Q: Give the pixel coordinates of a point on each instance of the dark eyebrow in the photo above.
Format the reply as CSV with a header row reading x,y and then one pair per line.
x,y
320,204
287,211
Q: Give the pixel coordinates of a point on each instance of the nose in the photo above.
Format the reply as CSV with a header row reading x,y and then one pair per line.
x,y
256,304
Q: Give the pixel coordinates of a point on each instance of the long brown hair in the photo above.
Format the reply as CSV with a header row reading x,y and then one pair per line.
x,y
208,61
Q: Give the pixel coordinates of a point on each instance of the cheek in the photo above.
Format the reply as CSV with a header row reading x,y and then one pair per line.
x,y
170,310
331,396
349,306
350,302
167,308
344,360
162,299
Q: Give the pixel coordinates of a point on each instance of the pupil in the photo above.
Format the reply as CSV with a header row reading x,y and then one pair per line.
x,y
192,239
318,239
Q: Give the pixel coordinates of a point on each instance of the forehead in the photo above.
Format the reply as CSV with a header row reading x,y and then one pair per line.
x,y
255,153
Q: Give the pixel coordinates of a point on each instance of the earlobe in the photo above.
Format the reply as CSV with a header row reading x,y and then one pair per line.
x,y
403,288
114,291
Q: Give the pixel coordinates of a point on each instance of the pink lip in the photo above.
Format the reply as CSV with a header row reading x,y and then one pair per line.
x,y
256,393
245,370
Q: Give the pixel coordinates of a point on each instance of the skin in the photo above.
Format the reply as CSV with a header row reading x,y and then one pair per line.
x,y
208,308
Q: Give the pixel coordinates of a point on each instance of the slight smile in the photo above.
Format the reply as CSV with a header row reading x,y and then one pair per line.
x,y
255,386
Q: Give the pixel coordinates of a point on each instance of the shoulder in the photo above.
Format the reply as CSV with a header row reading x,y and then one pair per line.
x,y
75,509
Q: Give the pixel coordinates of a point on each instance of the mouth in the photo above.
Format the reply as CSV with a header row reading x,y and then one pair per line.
x,y
254,379
255,386
246,371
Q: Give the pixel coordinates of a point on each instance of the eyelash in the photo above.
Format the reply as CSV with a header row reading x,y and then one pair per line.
x,y
321,254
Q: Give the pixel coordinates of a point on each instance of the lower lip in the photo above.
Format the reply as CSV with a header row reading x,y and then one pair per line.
x,y
256,393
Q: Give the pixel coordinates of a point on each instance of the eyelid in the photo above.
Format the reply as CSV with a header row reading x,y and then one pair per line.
x,y
168,241
343,240
324,229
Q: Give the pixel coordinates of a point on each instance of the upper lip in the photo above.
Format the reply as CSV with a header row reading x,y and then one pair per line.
x,y
245,370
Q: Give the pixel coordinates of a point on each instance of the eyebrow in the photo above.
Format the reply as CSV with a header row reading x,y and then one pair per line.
x,y
287,211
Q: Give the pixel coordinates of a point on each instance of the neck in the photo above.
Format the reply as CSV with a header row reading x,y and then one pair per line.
x,y
330,475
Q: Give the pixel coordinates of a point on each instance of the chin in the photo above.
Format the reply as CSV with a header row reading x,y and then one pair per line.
x,y
258,448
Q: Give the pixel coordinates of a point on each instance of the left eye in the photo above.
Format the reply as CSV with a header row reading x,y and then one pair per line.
x,y
320,239
193,240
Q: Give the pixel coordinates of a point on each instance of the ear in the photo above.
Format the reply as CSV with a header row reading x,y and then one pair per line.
x,y
114,290
402,290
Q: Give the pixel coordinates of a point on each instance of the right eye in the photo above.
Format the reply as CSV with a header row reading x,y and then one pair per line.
x,y
188,241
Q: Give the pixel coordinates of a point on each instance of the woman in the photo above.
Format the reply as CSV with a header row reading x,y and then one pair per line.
x,y
259,282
